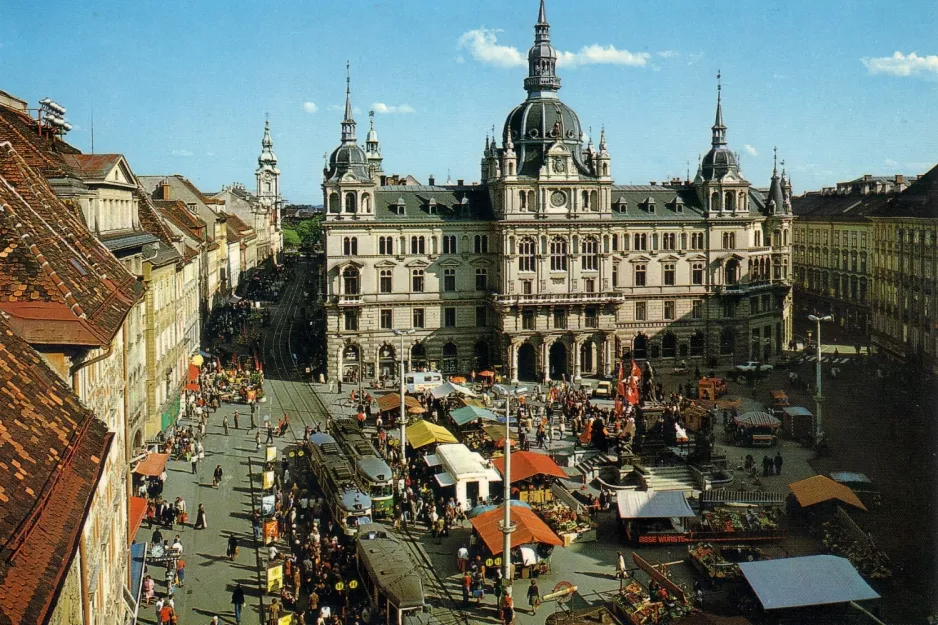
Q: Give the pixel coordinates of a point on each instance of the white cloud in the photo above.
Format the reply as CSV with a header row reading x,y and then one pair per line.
x,y
668,54
387,109
310,107
483,46
182,153
903,65
751,151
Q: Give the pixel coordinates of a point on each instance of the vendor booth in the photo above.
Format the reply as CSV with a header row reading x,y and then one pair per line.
x,y
450,388
471,414
392,401
719,564
654,517
711,388
465,471
821,495
755,429
797,422
423,433
531,472
532,541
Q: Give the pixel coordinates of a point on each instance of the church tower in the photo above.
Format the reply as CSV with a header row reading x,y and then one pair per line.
x,y
720,185
373,151
267,173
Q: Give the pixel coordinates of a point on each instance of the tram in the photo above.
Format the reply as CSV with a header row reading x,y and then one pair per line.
x,y
349,505
372,473
387,571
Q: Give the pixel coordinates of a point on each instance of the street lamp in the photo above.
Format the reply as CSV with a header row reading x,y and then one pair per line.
x,y
402,333
819,434
506,525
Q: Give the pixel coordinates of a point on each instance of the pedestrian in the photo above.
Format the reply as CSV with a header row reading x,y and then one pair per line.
x,y
236,419
170,578
195,462
534,596
766,466
216,477
508,608
224,423
778,463
466,585
237,600
273,613
256,524
270,435
180,572
253,412
200,521
148,590
157,538
232,547
167,614
257,440
620,566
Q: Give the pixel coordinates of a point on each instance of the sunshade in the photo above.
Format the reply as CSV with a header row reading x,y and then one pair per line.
x,y
805,581
423,433
527,464
193,373
487,374
491,506
797,411
393,400
650,504
529,529
138,510
445,479
448,388
819,489
757,419
457,379
152,465
467,414
846,477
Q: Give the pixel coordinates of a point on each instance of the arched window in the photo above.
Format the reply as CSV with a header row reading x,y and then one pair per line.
x,y
366,203
590,254
481,244
594,204
350,203
758,237
449,280
714,201
350,281
730,199
449,243
526,252
384,281
450,360
523,200
731,272
585,195
418,245
558,254
350,246
416,278
385,246
334,203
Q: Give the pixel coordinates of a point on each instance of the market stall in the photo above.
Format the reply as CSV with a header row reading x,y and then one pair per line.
x,y
654,517
532,541
450,388
843,537
720,565
664,602
423,433
711,388
819,496
392,401
532,473
466,472
755,429
797,422
737,523
865,489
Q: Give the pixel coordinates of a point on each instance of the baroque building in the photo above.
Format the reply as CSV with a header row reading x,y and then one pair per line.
x,y
546,267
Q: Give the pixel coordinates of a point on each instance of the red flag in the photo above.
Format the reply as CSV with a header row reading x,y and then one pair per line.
x,y
621,373
618,406
620,389
632,394
636,370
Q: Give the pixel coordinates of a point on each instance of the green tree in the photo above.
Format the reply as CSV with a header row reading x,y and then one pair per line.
x,y
310,232
291,239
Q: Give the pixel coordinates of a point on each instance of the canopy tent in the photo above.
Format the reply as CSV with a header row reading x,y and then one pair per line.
x,y
467,414
849,477
797,411
757,419
527,464
138,566
392,401
819,489
805,581
138,510
192,382
650,504
529,529
448,388
490,506
497,433
152,465
423,433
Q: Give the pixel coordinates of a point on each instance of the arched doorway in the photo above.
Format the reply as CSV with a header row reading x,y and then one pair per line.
x,y
481,354
586,357
138,440
527,362
351,363
558,360
450,362
640,347
418,357
387,363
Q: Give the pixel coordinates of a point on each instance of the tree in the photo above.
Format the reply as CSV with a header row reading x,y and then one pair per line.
x,y
310,232
291,239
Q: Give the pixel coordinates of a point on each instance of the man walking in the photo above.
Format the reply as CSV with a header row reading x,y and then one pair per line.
x,y
236,419
270,434
534,596
237,600
224,423
216,477
778,463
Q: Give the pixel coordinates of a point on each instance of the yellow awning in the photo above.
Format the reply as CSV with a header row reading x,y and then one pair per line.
x,y
423,433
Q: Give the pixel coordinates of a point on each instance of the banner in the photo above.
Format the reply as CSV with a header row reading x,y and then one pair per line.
x,y
274,578
267,505
271,453
268,479
271,531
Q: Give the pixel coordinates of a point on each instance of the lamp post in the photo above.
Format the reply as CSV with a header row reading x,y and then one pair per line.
x,y
402,333
819,433
506,526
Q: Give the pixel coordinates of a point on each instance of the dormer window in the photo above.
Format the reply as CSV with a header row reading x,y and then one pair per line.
x,y
678,204
192,207
398,208
431,206
464,207
622,205
650,204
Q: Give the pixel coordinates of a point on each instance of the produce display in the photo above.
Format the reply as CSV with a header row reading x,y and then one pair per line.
x,y
634,603
562,519
728,520
863,554
710,561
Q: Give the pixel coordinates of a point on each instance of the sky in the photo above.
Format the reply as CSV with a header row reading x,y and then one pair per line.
x,y
840,87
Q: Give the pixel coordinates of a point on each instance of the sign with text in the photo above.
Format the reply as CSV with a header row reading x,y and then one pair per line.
x,y
271,453
267,505
274,578
268,479
271,531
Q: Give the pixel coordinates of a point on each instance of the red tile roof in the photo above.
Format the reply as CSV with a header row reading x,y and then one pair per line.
x,y
52,452
41,152
92,166
149,217
176,212
49,261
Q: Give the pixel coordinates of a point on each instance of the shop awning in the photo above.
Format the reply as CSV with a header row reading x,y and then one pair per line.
x,y
757,420
448,388
392,401
193,373
467,414
527,464
138,510
152,465
445,479
797,411
488,507
650,504
423,433
138,558
530,529
819,489
805,581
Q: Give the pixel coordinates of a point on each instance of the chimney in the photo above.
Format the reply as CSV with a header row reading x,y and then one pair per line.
x,y
900,183
653,183
460,182
384,181
432,180
166,191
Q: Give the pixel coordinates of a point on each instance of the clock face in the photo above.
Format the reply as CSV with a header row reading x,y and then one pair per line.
x,y
560,165
558,198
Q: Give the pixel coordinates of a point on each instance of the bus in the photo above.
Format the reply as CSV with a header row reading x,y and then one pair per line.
x,y
349,505
421,381
372,473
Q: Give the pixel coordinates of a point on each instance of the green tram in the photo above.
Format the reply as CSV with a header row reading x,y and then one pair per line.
x,y
373,474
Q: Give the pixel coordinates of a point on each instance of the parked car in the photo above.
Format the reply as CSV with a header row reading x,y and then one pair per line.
x,y
753,366
603,389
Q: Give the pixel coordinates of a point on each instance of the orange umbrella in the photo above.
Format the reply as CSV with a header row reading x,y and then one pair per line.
x,y
500,443
487,374
457,379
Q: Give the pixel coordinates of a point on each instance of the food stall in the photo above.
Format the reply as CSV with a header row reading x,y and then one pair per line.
x,y
738,523
532,541
422,433
755,429
819,496
797,422
697,418
531,475
664,602
654,517
777,400
720,564
465,471
711,388
843,537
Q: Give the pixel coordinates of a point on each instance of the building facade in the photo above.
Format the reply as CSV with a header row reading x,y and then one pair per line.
x,y
547,268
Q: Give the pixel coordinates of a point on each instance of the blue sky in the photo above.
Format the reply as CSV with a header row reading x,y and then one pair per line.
x,y
841,87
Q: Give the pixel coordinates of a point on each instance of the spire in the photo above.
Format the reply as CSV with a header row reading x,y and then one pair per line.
x,y
542,78
719,130
267,159
775,161
348,124
776,198
372,140
603,149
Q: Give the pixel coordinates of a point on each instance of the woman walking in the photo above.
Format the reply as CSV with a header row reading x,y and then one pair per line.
x,y
200,522
232,547
216,477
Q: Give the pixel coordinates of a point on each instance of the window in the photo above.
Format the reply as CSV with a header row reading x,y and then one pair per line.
x,y
590,255
386,318
668,345
350,246
696,241
697,273
449,317
640,273
669,274
527,287
668,241
615,276
641,313
758,238
449,280
481,244
589,285
558,254
334,203
384,281
731,272
729,240
418,318
526,254
727,341
696,309
482,279
481,316
417,280
615,243
350,202
560,318
351,320
753,305
385,246
669,309
418,245
350,281
449,243
697,344
527,320
640,241
729,309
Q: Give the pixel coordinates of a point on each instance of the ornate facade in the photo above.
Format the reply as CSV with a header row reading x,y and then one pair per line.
x,y
546,267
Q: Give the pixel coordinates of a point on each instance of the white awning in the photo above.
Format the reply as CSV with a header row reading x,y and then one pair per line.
x,y
432,460
445,479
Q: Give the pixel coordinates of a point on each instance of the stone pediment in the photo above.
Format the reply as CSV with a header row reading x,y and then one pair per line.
x,y
450,262
417,263
385,264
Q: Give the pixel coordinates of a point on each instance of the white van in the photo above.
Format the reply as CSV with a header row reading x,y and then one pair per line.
x,y
421,381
